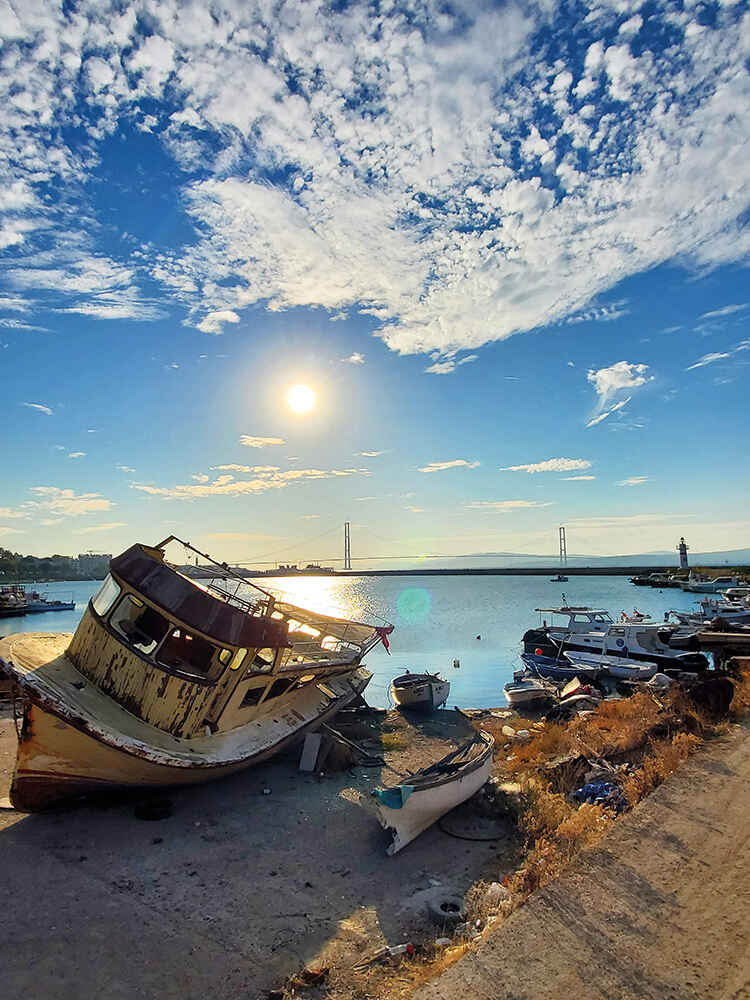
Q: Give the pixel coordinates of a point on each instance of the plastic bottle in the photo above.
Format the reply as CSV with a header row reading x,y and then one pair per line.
x,y
401,949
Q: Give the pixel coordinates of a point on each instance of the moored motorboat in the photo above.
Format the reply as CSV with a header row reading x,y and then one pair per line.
x,y
592,630
37,603
420,692
525,691
406,810
12,603
168,681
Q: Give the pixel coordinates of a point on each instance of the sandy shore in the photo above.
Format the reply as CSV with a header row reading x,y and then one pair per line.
x,y
234,891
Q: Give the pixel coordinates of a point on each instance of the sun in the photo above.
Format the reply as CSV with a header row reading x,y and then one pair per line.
x,y
301,398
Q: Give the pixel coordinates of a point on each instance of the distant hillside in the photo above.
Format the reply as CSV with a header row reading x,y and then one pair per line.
x,y
737,557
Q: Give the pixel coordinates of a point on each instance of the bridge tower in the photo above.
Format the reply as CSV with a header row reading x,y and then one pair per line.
x,y
563,548
347,546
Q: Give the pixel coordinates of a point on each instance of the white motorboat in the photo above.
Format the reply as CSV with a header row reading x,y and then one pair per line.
x,y
616,666
592,630
526,691
714,586
736,612
420,692
408,809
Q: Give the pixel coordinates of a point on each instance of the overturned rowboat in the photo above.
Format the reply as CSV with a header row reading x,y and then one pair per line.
x,y
171,681
408,809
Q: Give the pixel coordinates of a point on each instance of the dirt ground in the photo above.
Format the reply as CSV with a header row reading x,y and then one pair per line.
x,y
234,891
661,911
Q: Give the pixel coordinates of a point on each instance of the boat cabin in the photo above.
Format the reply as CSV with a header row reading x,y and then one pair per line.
x,y
579,619
192,658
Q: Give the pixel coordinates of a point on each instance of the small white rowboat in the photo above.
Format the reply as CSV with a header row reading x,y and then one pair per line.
x,y
420,692
616,666
408,809
523,691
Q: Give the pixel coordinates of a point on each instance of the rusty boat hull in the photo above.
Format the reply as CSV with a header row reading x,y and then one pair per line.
x,y
74,740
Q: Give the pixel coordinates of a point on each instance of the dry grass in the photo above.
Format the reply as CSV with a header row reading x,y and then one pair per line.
x,y
663,760
741,700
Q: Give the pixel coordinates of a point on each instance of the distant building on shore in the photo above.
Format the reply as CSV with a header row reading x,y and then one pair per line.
x,y
93,565
682,548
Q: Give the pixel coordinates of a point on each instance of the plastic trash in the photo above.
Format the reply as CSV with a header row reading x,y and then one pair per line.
x,y
601,793
401,949
509,731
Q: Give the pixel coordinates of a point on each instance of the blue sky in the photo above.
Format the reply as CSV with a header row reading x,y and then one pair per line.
x,y
505,244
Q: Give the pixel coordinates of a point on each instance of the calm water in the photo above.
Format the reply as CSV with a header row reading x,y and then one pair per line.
x,y
437,619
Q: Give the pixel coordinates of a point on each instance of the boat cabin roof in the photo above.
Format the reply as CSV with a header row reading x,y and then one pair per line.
x,y
570,609
144,569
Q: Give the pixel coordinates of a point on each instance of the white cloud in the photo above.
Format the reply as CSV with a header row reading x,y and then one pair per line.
x,y
725,311
355,359
201,477
601,314
438,171
250,441
456,463
620,377
41,407
575,479
77,454
7,513
7,530
227,486
124,468
506,506
415,510
214,322
95,528
707,359
633,481
66,503
370,454
550,465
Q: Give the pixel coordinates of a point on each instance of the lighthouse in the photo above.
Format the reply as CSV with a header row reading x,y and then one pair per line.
x,y
682,548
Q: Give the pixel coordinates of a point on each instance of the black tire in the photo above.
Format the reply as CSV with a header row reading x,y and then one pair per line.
x,y
446,910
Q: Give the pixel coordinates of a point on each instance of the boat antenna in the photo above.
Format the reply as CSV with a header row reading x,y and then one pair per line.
x,y
225,568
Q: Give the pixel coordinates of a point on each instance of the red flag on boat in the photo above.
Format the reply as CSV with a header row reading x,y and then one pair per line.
x,y
384,632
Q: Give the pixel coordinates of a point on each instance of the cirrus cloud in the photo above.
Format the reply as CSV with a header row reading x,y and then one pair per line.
x,y
456,463
550,465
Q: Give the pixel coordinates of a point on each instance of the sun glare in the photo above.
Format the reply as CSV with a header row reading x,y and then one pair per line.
x,y
300,398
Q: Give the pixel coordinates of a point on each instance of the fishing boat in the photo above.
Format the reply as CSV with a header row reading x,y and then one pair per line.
x,y
558,579
593,630
37,603
12,604
714,586
736,612
615,666
525,691
171,681
406,810
420,692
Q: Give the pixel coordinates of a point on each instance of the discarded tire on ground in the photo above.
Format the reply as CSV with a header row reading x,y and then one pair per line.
x,y
445,910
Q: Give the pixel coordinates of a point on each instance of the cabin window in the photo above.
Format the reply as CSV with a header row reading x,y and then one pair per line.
x,y
263,659
280,687
185,652
253,695
143,627
233,660
106,596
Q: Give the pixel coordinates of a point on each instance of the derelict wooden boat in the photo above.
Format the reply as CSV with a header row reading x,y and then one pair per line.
x,y
168,681
408,809
420,692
